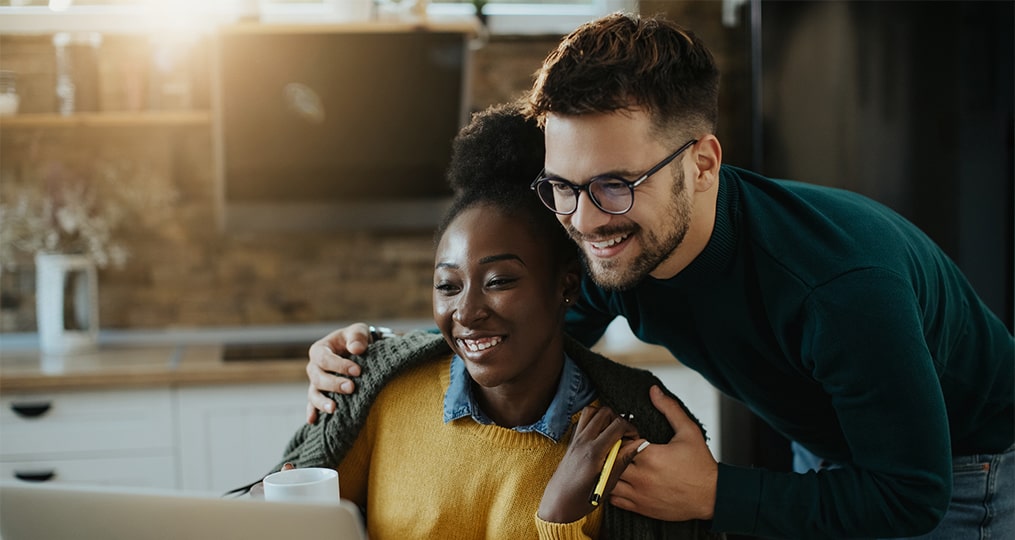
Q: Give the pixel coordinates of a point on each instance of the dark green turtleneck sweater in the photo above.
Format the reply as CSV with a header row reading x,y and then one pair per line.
x,y
846,329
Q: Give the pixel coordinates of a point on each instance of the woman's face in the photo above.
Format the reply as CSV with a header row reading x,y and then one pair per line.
x,y
499,300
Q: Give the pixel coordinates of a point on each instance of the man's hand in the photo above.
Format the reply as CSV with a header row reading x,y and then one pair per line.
x,y
674,481
566,497
328,363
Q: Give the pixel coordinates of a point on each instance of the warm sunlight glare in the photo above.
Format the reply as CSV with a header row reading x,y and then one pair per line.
x,y
187,16
60,5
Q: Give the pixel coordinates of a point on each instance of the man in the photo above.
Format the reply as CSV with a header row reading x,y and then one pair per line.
x,y
831,317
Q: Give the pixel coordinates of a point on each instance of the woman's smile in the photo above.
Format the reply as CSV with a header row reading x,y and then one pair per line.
x,y
478,345
499,300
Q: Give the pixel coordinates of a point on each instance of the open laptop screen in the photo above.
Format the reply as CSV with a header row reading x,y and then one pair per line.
x,y
53,511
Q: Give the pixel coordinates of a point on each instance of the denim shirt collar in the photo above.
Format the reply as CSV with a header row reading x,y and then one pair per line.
x,y
573,393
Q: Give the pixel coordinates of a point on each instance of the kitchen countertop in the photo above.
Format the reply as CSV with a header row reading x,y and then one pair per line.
x,y
112,366
178,357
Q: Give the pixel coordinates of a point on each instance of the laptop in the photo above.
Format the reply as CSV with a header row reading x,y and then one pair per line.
x,y
58,512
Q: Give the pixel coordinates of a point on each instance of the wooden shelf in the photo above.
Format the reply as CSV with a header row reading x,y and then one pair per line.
x,y
454,24
108,119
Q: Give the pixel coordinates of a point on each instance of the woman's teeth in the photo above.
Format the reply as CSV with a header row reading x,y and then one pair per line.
x,y
476,345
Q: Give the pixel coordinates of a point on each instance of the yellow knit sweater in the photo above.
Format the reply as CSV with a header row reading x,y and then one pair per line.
x,y
421,478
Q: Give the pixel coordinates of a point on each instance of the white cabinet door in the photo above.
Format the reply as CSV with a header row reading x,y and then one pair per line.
x,y
232,435
114,437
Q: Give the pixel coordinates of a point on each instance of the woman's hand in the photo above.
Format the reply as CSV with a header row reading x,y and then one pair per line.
x,y
566,497
328,363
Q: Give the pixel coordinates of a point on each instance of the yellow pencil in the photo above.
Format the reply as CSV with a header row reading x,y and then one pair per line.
x,y
597,494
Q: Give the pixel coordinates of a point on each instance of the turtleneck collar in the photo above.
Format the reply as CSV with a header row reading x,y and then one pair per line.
x,y
721,247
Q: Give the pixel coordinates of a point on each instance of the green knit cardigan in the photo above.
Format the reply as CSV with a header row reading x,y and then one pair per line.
x,y
622,388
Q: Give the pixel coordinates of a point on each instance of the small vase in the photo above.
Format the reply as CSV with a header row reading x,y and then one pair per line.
x,y
66,303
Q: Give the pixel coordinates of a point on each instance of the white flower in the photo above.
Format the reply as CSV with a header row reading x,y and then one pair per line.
x,y
53,210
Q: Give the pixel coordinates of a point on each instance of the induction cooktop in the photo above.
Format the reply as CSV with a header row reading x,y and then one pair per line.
x,y
235,352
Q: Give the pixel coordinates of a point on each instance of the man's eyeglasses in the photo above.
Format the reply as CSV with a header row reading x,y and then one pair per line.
x,y
611,194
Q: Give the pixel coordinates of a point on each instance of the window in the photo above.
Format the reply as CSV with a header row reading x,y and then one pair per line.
x,y
502,16
531,16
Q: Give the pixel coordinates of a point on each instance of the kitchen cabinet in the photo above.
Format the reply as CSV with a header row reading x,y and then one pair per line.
x,y
200,438
231,435
171,413
122,437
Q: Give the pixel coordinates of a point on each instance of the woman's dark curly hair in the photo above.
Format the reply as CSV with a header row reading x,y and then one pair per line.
x,y
494,160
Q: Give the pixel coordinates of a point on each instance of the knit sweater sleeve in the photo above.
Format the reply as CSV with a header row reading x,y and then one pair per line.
x,y
626,389
582,529
326,442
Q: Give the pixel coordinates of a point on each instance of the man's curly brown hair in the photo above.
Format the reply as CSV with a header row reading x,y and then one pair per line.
x,y
622,61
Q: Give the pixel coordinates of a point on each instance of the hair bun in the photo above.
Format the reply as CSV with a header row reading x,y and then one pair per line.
x,y
501,149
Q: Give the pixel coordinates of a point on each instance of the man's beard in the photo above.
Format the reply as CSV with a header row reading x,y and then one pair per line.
x,y
612,274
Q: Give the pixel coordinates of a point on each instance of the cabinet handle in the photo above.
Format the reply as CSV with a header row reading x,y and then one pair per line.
x,y
35,476
31,410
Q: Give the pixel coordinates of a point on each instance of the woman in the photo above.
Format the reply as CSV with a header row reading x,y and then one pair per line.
x,y
499,426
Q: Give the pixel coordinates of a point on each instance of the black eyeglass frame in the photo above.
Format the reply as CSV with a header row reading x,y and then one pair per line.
x,y
631,184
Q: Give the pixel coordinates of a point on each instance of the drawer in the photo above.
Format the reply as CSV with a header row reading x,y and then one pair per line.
x,y
157,471
67,423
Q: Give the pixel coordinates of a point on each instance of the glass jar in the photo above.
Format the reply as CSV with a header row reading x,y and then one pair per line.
x,y
77,71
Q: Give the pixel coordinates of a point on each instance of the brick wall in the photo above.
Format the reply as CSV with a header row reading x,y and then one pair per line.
x,y
184,272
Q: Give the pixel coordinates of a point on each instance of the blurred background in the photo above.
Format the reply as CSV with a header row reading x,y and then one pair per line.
x,y
270,163
907,102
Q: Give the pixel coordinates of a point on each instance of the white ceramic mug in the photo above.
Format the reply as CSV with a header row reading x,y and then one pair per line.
x,y
314,484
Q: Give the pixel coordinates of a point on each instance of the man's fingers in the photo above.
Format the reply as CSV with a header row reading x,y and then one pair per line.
x,y
671,409
622,502
319,401
622,491
354,337
321,381
325,366
328,368
311,413
628,450
635,491
329,353
324,360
